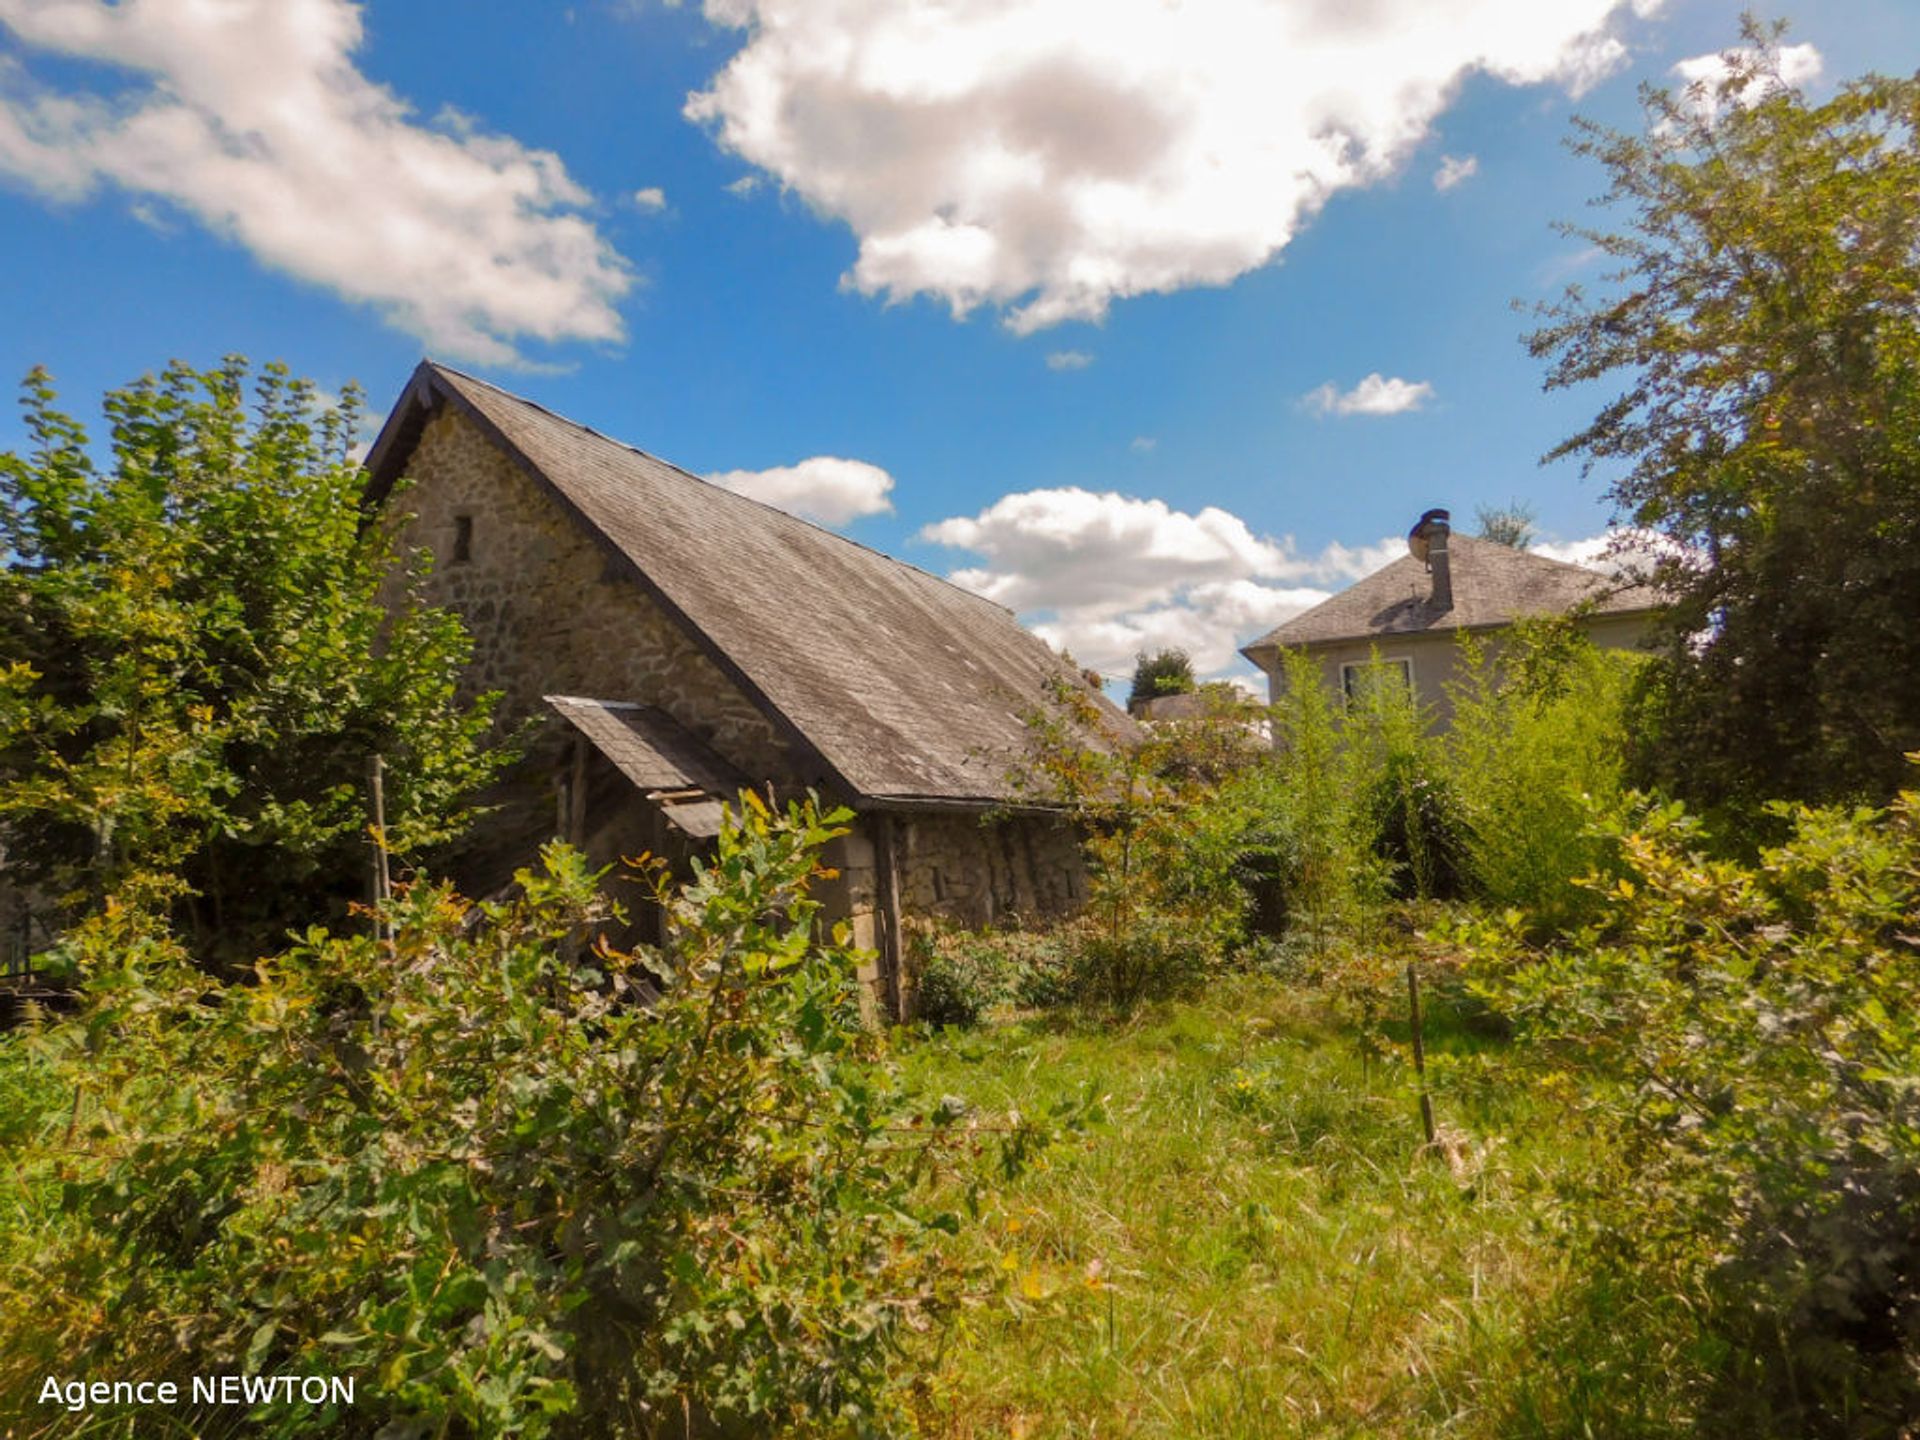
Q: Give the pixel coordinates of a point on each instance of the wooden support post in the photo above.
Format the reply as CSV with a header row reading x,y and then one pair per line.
x,y
891,933
576,832
382,876
1420,1055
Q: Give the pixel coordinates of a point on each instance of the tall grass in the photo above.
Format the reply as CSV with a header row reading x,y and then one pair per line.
x,y
1534,758
1249,1241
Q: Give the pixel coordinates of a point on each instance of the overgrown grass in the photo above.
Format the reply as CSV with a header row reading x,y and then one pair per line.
x,y
1248,1241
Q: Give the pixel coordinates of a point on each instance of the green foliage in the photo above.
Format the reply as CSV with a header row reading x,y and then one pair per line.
x,y
962,976
1164,903
1763,326
1535,755
1357,802
513,1191
1165,672
195,663
1405,808
1312,808
1750,1034
1509,524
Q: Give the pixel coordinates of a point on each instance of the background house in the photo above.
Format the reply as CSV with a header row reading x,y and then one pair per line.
x,y
1412,611
666,642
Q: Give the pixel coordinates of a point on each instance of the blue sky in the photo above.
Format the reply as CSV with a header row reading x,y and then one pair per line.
x,y
1179,240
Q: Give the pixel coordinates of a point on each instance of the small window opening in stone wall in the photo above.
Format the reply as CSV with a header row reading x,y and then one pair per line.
x,y
462,539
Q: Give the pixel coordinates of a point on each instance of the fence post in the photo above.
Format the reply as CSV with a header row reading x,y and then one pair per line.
x,y
1420,1055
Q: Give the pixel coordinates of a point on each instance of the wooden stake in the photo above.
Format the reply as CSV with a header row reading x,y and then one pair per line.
x,y
382,877
893,946
1420,1056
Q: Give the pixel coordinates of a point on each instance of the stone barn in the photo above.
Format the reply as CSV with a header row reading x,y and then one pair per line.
x,y
662,642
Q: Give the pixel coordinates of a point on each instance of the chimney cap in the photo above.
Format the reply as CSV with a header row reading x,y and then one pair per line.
x,y
1436,519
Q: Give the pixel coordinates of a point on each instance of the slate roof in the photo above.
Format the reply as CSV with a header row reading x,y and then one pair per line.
x,y
690,783
1493,584
906,687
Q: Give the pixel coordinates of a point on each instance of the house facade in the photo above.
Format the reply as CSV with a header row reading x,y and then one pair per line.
x,y
1412,612
660,643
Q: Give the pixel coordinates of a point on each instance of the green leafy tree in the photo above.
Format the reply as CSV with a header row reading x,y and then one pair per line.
x,y
1765,328
1165,672
196,664
1509,524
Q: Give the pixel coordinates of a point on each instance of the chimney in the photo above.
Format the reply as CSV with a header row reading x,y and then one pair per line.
x,y
1427,542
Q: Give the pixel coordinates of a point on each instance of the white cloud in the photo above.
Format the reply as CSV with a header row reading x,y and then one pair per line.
x,y
1142,444
1016,155
743,187
651,198
251,116
1628,550
1107,575
1375,395
826,488
1710,81
1455,170
1069,360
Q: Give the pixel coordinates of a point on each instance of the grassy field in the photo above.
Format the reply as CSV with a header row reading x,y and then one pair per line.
x,y
1247,1240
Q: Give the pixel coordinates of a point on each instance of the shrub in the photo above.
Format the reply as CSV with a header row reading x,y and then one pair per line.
x,y
1751,1036
1163,905
515,1193
964,974
1165,672
1534,755
1312,804
1406,813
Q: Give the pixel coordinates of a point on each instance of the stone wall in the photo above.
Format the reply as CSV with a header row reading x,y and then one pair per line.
x,y
957,868
550,611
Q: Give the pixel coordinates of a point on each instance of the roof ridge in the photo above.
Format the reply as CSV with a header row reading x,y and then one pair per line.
x,y
1483,557
681,470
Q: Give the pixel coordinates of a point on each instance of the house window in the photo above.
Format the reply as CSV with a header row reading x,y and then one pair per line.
x,y
462,539
1354,675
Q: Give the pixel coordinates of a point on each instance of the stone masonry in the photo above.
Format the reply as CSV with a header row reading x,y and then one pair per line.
x,y
551,612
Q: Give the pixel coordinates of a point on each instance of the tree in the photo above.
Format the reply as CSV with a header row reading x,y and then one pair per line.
x,y
196,664
1165,672
1764,323
1509,524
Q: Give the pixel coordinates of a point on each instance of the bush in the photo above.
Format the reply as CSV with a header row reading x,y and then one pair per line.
x,y
1415,826
965,974
1750,1034
1163,905
1535,755
515,1193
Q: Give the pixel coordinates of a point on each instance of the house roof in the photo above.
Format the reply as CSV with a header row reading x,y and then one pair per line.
x,y
1493,584
659,756
904,686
